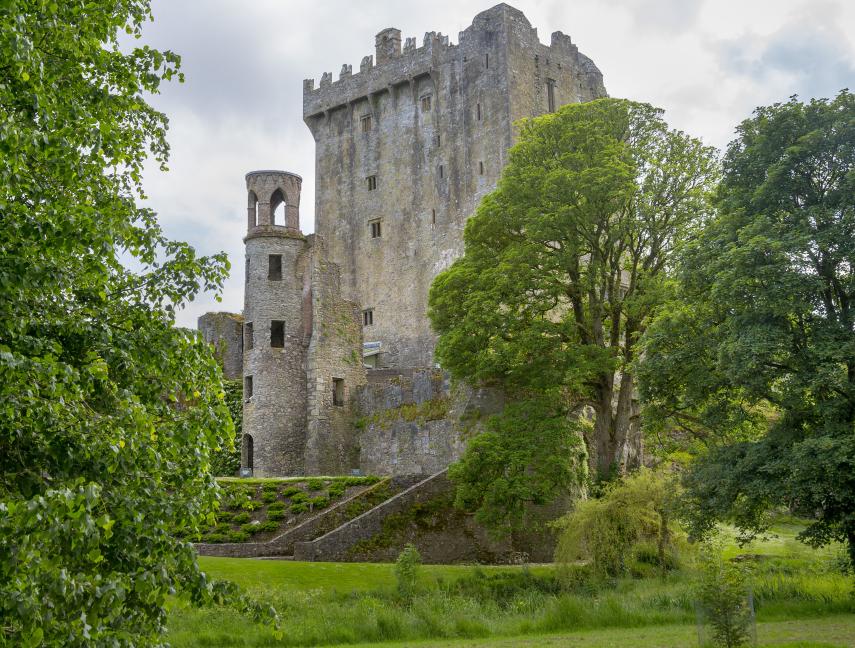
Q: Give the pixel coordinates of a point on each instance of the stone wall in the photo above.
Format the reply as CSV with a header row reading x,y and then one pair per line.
x,y
224,331
414,421
432,126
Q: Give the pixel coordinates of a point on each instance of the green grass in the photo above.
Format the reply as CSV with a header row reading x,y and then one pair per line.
x,y
324,604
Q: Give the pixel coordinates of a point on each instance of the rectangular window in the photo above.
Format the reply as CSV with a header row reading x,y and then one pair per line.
x,y
478,111
426,103
247,387
338,392
374,226
372,182
433,217
368,317
247,270
550,94
365,121
487,61
441,172
247,336
436,140
277,334
481,167
274,267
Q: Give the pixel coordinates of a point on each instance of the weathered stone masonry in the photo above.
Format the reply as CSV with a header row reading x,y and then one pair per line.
x,y
405,150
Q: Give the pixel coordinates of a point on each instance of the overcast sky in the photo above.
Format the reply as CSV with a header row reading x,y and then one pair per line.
x,y
708,63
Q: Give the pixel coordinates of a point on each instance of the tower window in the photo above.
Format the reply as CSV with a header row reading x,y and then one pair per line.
x,y
487,61
374,225
365,122
481,167
247,387
274,267
247,336
437,140
372,182
478,111
441,172
433,217
277,334
338,392
247,449
247,269
368,317
550,94
426,103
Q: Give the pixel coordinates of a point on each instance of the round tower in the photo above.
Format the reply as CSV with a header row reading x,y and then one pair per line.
x,y
274,411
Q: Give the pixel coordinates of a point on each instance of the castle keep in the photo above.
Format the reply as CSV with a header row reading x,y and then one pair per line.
x,y
334,328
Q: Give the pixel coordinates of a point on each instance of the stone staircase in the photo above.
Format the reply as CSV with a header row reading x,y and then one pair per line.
x,y
326,521
334,545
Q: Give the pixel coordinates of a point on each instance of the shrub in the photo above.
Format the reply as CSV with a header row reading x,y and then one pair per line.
x,y
299,497
238,536
502,587
276,514
337,489
240,518
299,507
407,569
269,496
251,505
722,591
314,484
604,531
225,516
290,491
269,525
277,505
215,538
270,487
319,502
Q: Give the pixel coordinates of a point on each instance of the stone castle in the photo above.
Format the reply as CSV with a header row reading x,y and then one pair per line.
x,y
334,339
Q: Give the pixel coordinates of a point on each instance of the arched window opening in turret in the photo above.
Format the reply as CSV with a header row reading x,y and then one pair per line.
x,y
252,209
247,451
277,208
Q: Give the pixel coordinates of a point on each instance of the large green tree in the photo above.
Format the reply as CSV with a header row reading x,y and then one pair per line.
x,y
108,413
563,265
755,359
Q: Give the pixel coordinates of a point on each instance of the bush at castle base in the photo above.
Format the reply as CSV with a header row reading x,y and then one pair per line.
x,y
108,414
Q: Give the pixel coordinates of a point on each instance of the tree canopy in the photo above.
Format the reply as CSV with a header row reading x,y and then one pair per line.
x,y
755,357
109,412
563,265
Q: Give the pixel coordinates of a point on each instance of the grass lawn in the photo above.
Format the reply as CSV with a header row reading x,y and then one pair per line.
x,y
831,632
800,597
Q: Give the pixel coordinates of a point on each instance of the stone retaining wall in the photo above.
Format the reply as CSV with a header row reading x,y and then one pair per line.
x,y
334,545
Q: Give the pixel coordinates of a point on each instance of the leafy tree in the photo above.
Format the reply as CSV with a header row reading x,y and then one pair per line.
x,y
108,413
565,261
526,457
756,358
226,461
723,596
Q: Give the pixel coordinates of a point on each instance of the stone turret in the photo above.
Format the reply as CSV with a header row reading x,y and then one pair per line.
x,y
274,422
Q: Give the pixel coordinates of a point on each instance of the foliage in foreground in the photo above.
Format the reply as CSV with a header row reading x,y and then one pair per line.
x,y
630,522
108,413
226,460
723,600
755,359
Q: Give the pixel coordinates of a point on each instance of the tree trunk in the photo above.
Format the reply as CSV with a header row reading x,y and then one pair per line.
x,y
616,443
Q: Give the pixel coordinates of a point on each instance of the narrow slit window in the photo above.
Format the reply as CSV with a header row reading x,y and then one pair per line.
x,y
433,217
374,227
487,61
478,111
338,392
365,121
437,141
274,268
372,182
247,336
481,168
247,387
368,317
277,334
426,103
550,94
441,172
247,269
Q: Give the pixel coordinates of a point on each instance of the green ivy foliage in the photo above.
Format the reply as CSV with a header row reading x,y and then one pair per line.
x,y
226,460
108,413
